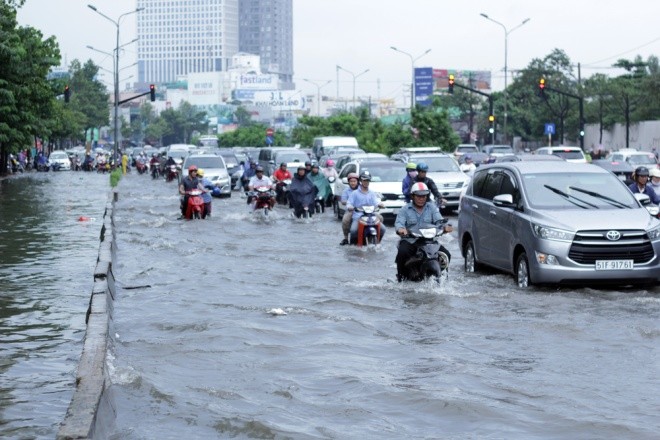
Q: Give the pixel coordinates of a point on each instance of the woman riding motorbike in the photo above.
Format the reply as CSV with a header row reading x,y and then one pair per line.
x,y
302,192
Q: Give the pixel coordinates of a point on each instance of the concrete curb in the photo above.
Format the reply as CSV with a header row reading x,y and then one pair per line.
x,y
91,412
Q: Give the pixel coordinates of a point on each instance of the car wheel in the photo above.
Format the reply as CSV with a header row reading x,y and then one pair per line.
x,y
471,264
522,271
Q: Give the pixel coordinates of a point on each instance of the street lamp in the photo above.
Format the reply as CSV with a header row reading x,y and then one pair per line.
x,y
354,78
116,70
412,63
506,44
318,94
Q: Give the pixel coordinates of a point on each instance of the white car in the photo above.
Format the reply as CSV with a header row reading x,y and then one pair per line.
x,y
60,158
634,158
445,172
386,177
214,168
569,154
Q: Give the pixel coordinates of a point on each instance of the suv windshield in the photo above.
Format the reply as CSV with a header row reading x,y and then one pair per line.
x,y
642,159
205,162
572,190
438,164
568,154
291,157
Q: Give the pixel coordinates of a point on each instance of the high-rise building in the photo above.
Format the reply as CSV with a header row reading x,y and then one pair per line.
x,y
177,37
266,29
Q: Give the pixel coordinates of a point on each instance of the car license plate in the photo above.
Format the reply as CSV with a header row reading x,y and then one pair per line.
x,y
614,264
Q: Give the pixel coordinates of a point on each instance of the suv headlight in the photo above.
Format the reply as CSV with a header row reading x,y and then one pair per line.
x,y
654,234
548,233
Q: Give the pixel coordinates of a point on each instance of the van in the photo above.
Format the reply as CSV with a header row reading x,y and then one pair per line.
x,y
323,145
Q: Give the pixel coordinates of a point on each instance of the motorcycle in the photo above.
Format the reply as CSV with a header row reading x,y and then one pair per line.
x,y
319,205
141,167
155,170
172,173
282,191
195,206
261,197
430,259
369,231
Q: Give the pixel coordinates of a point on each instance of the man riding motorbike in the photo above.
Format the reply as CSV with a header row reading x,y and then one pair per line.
x,y
302,192
359,198
247,175
422,169
279,176
640,184
260,181
346,219
188,183
418,211
321,182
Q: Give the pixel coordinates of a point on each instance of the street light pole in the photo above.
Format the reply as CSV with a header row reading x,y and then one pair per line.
x,y
506,50
318,94
116,69
354,78
412,65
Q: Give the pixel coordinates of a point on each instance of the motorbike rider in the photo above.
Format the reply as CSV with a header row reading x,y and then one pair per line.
x,y
419,211
279,176
362,196
321,182
260,181
154,163
655,180
468,167
249,172
330,170
353,180
188,183
422,169
308,167
409,180
302,192
640,184
206,196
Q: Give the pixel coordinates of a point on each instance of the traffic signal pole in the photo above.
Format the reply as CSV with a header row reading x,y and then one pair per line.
x,y
151,92
569,95
491,116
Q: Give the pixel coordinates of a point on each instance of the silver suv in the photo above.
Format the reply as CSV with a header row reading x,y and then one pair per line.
x,y
558,223
445,172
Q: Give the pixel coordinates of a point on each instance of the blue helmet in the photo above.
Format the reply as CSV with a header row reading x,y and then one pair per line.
x,y
422,167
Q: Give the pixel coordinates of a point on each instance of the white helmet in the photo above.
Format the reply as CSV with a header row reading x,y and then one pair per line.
x,y
419,189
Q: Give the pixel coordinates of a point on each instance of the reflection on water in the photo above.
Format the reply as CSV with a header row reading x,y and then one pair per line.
x,y
47,260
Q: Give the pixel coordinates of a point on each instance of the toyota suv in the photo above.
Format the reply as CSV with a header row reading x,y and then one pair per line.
x,y
558,223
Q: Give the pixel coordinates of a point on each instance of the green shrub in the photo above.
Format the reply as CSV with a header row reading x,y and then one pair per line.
x,y
115,176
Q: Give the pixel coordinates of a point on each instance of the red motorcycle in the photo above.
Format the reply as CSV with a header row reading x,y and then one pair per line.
x,y
195,207
141,167
262,197
172,173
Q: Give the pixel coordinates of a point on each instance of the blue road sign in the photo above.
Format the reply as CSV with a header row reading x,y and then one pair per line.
x,y
549,128
269,140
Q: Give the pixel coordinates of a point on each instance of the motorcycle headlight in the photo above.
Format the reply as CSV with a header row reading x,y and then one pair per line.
x,y
428,232
548,233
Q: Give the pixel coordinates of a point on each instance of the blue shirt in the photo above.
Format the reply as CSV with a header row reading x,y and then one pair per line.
x,y
358,199
346,194
206,183
647,190
409,216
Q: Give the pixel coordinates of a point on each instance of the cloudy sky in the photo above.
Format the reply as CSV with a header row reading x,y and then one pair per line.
x,y
357,35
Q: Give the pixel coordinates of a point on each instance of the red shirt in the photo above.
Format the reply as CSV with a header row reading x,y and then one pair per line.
x,y
281,175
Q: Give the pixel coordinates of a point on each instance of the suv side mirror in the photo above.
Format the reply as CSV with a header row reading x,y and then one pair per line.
x,y
503,200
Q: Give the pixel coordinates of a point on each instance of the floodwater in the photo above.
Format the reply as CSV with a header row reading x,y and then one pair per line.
x,y
203,351
240,327
47,260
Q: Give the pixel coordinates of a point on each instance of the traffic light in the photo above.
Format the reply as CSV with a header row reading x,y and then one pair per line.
x,y
67,93
451,84
491,121
542,87
152,92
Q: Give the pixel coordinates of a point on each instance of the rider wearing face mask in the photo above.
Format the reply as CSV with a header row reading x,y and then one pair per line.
x,y
641,179
655,180
409,180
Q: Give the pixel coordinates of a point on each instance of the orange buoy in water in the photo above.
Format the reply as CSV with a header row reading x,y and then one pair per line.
x,y
82,218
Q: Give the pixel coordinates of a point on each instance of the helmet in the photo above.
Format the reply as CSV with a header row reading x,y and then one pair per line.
x,y
642,171
655,172
422,167
283,164
419,189
365,175
330,163
352,176
410,166
259,169
192,168
468,157
315,164
200,172
308,164
301,167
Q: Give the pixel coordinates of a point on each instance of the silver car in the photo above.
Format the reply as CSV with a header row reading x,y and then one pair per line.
x,y
215,169
558,223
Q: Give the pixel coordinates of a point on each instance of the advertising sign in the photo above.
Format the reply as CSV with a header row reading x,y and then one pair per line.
x,y
281,100
252,81
423,85
475,79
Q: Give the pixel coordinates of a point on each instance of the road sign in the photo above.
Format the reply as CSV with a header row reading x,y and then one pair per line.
x,y
549,128
269,132
269,140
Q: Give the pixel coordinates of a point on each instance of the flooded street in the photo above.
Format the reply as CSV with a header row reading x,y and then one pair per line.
x,y
202,352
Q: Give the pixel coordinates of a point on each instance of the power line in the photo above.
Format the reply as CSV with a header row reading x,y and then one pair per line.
x,y
625,52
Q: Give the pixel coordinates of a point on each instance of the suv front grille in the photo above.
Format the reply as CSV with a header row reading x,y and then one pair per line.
x,y
391,196
589,246
448,185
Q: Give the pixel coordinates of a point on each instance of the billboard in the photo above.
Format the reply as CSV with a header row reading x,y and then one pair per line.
x,y
475,79
423,85
280,100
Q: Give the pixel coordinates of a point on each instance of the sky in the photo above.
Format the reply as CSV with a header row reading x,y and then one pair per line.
x,y
357,35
